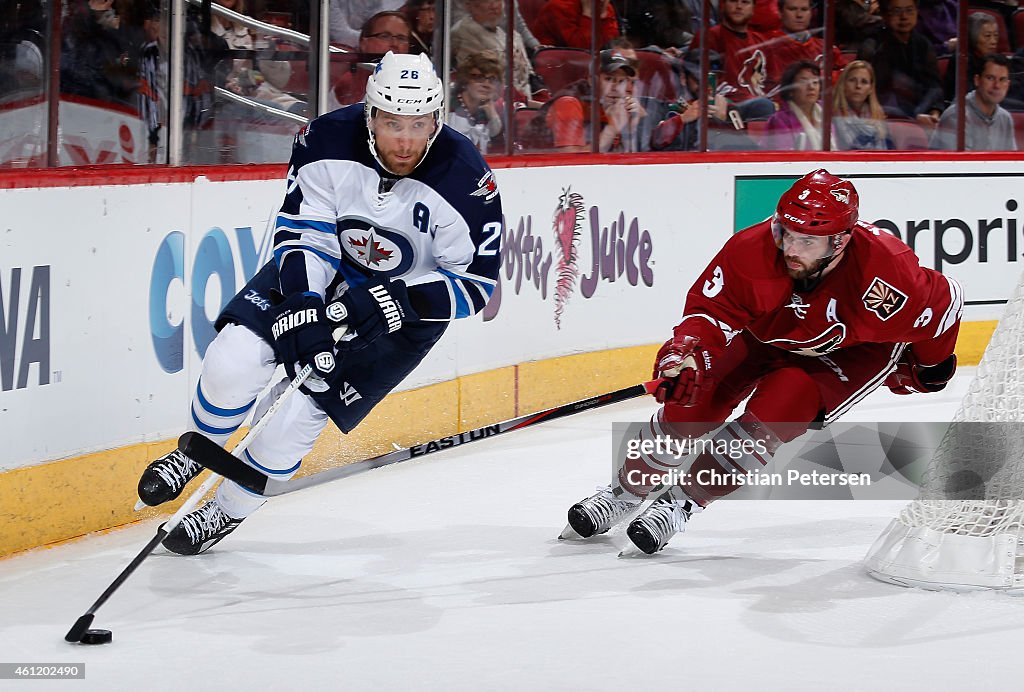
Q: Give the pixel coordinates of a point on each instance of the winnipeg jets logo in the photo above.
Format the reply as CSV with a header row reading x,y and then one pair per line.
x,y
883,300
841,195
486,187
369,250
798,305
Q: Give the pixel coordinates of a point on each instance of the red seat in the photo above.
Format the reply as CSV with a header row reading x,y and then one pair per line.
x,y
907,135
1018,127
656,76
559,67
1004,36
943,63
1018,28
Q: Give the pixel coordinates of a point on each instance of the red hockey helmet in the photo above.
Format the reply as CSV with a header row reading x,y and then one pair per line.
x,y
818,204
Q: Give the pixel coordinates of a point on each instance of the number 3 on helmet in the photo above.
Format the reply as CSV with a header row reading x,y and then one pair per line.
x,y
818,204
404,85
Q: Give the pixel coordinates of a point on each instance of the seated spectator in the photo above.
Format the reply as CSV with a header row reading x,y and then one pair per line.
x,y
568,116
937,22
481,31
383,32
989,126
856,20
679,129
421,16
744,78
567,23
795,41
476,110
696,8
982,39
519,23
905,65
797,125
348,17
857,117
663,24
97,59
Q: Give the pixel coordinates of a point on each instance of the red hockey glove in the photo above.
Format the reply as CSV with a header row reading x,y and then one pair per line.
x,y
686,369
911,377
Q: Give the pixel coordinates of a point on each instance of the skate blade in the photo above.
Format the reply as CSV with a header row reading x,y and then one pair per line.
x,y
630,551
569,534
140,505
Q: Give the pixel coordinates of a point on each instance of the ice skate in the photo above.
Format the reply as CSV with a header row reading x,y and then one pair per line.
x,y
596,514
200,530
654,527
164,479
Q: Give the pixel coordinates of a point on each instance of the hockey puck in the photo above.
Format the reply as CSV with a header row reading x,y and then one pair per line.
x,y
97,637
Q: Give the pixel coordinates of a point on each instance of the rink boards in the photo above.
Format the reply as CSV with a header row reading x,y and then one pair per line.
x,y
108,292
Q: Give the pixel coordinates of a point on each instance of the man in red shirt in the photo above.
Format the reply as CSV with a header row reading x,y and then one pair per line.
x,y
796,41
806,314
744,79
566,24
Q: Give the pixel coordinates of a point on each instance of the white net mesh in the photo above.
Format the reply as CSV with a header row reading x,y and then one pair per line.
x,y
974,486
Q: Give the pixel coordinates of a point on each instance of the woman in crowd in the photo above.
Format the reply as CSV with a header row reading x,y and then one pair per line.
x,y
797,125
858,119
475,111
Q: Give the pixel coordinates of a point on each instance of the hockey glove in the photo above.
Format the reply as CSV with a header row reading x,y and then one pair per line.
x,y
370,311
911,377
302,334
686,369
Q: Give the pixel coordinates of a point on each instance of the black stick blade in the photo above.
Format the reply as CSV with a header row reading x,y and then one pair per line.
x,y
78,629
211,455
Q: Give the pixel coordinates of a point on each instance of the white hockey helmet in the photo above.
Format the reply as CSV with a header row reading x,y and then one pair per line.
x,y
404,85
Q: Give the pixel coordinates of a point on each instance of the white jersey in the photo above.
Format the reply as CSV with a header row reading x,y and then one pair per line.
x,y
344,219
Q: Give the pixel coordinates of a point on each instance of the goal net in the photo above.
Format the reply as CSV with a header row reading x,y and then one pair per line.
x,y
966,529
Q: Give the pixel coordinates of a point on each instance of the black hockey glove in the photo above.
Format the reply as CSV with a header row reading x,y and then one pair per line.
x,y
302,334
370,311
911,377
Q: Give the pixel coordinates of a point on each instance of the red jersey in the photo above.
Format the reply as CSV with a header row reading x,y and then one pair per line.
x,y
783,50
876,292
745,61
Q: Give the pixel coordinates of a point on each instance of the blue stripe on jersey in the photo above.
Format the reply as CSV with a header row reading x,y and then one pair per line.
x,y
306,224
217,410
281,251
461,306
209,429
264,469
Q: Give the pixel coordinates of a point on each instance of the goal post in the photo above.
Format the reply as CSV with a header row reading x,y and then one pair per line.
x,y
965,531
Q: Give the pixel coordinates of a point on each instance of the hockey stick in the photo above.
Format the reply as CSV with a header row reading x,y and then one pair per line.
x,y
211,455
77,630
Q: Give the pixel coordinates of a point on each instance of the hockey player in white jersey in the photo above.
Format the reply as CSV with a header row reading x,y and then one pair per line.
x,y
391,226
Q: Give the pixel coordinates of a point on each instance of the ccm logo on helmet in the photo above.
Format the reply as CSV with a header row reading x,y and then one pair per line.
x,y
794,219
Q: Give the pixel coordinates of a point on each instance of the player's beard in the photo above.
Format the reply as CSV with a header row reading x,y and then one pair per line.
x,y
805,271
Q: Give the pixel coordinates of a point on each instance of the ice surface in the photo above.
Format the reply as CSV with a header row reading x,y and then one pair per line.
x,y
444,574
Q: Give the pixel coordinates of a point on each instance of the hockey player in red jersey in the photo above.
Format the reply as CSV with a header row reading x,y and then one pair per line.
x,y
806,313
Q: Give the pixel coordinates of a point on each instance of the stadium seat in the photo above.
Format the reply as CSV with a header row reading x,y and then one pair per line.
x,y
559,67
656,76
1018,28
907,135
